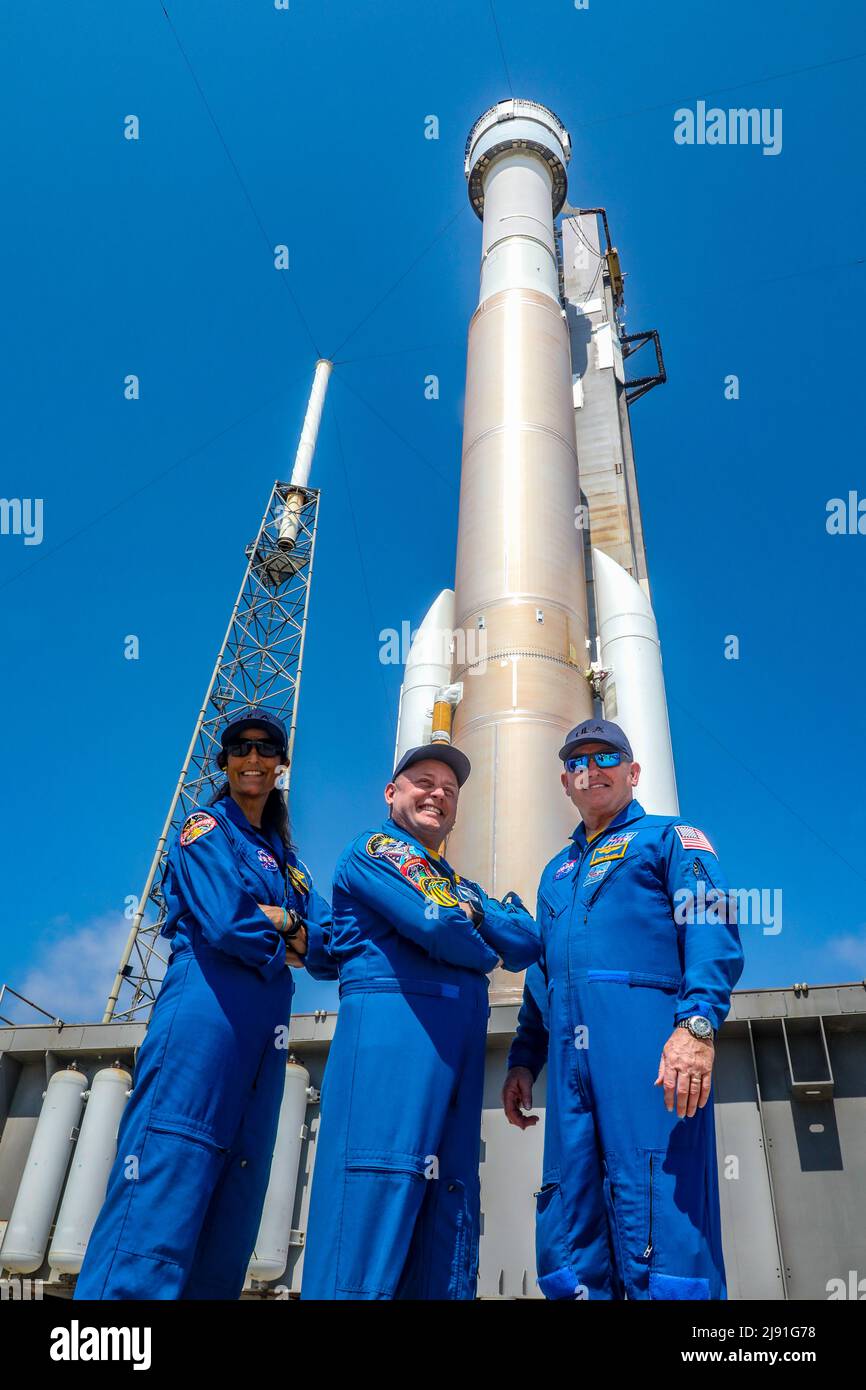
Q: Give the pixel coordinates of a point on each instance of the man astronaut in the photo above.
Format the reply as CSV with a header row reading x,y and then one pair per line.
x,y
394,1210
628,994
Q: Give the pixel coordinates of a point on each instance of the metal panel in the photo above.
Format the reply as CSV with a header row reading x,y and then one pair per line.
x,y
752,1263
510,1175
818,1163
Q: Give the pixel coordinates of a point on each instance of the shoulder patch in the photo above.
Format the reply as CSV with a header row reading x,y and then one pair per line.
x,y
198,824
413,866
692,838
386,847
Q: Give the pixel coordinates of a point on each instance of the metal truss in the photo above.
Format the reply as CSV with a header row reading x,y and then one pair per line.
x,y
632,342
259,663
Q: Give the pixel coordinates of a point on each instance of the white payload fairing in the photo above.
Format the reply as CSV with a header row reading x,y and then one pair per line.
x,y
550,573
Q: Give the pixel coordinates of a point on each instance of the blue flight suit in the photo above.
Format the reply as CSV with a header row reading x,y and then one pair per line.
x,y
629,1202
394,1210
195,1143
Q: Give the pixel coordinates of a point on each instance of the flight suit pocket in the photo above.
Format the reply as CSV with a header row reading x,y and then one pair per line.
x,y
178,1169
555,1276
384,1192
551,909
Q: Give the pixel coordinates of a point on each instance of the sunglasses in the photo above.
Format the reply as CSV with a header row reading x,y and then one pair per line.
x,y
600,760
264,747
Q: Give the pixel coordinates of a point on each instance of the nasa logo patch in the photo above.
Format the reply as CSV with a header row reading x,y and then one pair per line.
x,y
565,869
267,860
196,825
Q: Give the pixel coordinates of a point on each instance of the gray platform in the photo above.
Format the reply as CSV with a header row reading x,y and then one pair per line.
x,y
790,1094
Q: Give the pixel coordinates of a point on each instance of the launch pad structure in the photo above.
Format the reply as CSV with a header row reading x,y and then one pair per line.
x,y
549,620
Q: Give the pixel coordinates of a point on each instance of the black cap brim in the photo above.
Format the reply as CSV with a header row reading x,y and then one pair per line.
x,y
568,750
440,753
233,732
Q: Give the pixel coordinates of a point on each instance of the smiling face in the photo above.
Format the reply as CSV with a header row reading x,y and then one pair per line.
x,y
600,793
252,775
423,800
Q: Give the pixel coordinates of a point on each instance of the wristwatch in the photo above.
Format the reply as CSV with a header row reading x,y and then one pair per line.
x,y
294,922
699,1027
472,900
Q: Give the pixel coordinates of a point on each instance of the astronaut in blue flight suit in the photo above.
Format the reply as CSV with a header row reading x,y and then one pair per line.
x,y
394,1211
194,1148
640,954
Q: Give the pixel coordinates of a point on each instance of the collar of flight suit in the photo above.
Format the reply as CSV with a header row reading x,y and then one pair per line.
x,y
631,812
237,817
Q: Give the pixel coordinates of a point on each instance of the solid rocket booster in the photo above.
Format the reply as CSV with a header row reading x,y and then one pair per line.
x,y
521,622
634,693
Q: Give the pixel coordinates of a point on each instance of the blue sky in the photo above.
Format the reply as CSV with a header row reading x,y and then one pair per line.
x,y
154,257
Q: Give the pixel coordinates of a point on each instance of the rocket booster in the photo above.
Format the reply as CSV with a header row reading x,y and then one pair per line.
x,y
520,624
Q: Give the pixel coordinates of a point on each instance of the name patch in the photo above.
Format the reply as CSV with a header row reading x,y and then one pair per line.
x,y
298,879
613,848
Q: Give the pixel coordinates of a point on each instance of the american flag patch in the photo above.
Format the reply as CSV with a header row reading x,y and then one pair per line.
x,y
692,838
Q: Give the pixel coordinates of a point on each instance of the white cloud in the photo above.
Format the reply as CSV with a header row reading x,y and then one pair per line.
x,y
73,970
850,949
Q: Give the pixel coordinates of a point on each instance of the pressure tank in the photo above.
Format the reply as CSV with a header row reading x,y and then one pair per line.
x,y
91,1165
271,1253
26,1238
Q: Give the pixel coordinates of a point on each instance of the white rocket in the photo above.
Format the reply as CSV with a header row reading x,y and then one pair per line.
x,y
543,370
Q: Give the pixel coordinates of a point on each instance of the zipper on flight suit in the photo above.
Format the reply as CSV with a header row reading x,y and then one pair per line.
x,y
649,1244
576,877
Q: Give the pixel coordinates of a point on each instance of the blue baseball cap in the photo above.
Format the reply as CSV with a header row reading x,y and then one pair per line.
x,y
596,731
254,714
439,753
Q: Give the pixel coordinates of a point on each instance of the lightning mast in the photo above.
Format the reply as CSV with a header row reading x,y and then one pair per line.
x,y
258,663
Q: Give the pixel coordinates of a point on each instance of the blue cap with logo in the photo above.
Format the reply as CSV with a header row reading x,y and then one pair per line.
x,y
596,731
262,719
440,753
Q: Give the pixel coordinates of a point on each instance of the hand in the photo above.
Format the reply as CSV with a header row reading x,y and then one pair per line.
x,y
296,947
517,1097
296,950
468,910
273,914
685,1070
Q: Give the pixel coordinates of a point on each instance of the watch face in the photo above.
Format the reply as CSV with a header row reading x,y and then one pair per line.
x,y
702,1028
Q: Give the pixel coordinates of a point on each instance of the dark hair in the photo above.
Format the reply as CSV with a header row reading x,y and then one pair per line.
x,y
275,815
